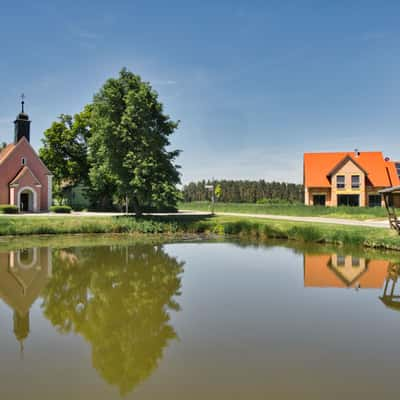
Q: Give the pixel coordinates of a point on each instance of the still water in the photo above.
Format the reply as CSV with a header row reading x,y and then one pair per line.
x,y
197,321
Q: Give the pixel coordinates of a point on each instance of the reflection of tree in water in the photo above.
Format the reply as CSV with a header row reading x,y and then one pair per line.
x,y
118,299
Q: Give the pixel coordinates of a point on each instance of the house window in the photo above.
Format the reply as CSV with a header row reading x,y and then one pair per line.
x,y
374,200
319,200
352,200
23,161
355,181
341,261
355,262
340,181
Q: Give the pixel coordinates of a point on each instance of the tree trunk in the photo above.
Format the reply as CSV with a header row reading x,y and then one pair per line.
x,y
136,207
126,205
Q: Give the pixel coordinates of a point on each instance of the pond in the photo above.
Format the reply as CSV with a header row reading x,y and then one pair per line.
x,y
197,320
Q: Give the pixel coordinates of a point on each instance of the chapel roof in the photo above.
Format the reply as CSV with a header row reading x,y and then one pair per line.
x,y
24,171
6,151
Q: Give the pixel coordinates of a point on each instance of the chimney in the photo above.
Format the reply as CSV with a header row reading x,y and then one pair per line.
x,y
356,153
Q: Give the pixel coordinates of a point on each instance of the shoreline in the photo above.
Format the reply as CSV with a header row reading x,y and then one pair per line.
x,y
179,226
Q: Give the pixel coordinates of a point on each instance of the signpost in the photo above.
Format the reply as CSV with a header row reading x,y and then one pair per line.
x,y
211,189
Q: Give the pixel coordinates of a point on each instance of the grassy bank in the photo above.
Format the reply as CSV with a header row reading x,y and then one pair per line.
x,y
361,213
254,229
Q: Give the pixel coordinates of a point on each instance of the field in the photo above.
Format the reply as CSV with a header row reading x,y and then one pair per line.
x,y
360,213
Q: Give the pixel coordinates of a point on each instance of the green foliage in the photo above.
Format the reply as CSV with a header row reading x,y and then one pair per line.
x,y
8,209
61,209
182,225
65,150
129,144
245,191
218,191
118,299
117,148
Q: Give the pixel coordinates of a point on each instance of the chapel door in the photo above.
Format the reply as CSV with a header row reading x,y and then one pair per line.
x,y
24,201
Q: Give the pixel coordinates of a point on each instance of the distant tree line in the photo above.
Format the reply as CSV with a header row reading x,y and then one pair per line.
x,y
245,191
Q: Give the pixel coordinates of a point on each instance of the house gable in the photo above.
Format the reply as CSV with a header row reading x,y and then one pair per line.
x,y
25,177
35,175
341,167
22,147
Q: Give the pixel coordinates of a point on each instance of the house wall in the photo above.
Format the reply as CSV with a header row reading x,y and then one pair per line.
x,y
349,169
12,165
373,191
27,182
309,199
396,200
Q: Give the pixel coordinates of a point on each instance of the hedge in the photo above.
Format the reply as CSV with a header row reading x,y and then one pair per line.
x,y
61,209
8,209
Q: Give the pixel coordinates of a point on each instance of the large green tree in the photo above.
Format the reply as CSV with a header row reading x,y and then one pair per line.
x,y
65,149
129,144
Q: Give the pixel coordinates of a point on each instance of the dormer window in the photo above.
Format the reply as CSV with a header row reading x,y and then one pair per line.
x,y
23,161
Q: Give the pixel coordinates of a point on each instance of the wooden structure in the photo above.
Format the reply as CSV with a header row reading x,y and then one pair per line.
x,y
389,204
389,297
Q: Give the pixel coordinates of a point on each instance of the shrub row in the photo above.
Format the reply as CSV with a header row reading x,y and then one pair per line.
x,y
8,209
61,209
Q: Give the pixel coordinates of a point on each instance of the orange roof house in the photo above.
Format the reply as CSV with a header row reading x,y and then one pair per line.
x,y
24,180
348,178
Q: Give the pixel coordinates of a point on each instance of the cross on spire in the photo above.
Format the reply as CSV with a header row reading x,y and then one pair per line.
x,y
22,101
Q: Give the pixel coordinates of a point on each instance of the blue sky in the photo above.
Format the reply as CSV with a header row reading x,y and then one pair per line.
x,y
255,83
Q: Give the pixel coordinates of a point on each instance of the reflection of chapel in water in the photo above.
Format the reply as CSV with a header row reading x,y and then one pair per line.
x,y
23,275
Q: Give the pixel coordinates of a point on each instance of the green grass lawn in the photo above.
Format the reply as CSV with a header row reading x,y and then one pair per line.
x,y
175,226
360,213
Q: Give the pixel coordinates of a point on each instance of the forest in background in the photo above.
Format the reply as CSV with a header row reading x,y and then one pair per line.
x,y
245,191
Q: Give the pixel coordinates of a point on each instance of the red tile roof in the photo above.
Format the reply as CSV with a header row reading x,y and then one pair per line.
x,y
6,151
317,167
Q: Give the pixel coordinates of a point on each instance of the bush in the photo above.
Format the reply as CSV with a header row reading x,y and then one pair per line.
x,y
8,209
61,209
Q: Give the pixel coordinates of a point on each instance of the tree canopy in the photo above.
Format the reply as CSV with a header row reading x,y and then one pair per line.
x,y
118,146
65,149
245,191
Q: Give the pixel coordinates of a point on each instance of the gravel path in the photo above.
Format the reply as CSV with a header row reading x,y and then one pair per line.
x,y
323,220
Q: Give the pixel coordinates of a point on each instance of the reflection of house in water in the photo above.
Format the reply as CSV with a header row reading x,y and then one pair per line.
x,y
333,270
23,275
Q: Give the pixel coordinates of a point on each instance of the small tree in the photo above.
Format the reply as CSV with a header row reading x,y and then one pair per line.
x,y
64,149
218,191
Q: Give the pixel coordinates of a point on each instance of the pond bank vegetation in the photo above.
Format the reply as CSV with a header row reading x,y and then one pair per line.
x,y
180,225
